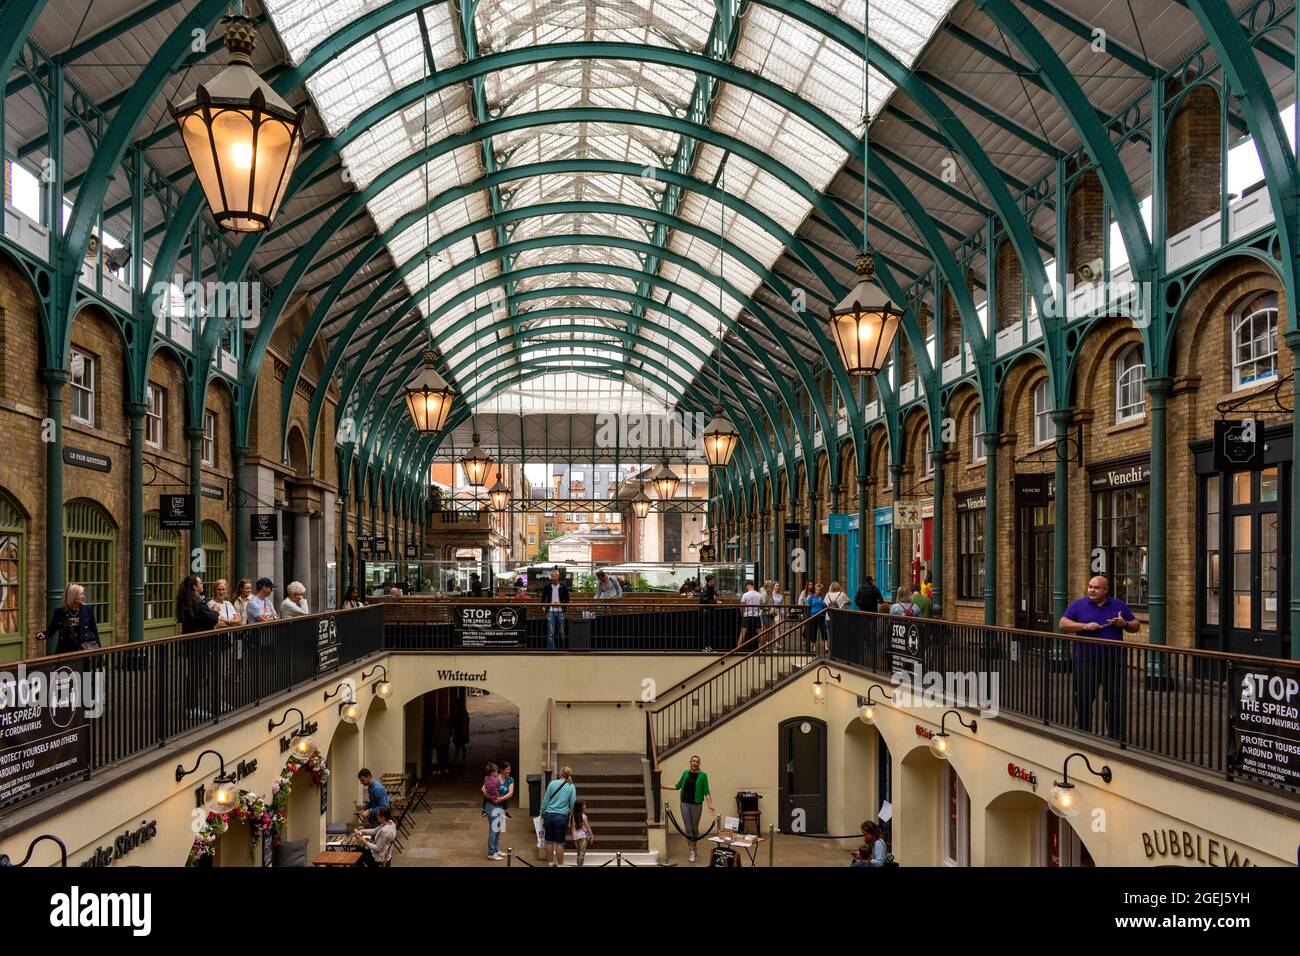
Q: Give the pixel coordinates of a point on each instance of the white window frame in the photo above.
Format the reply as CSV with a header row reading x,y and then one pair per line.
x,y
928,452
963,818
86,385
1261,307
977,451
1125,371
209,437
155,416
1042,414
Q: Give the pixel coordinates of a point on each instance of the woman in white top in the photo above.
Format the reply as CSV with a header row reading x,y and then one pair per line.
x,y
778,601
836,597
227,616
295,603
377,842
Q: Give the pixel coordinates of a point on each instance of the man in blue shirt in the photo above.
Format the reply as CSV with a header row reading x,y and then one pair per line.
x,y
1103,617
376,795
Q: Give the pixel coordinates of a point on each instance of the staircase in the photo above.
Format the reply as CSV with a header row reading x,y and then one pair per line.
x,y
613,787
726,687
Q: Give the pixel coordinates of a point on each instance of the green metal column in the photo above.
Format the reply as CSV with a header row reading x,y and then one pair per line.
x,y
896,474
936,560
344,570
1061,533
238,563
780,560
835,546
135,572
863,557
1157,533
1292,338
813,531
55,379
195,435
991,528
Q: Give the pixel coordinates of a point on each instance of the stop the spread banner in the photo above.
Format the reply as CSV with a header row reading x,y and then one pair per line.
x,y
1266,726
488,626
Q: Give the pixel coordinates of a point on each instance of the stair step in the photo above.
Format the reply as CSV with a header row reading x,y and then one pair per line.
x,y
619,829
616,816
604,778
611,789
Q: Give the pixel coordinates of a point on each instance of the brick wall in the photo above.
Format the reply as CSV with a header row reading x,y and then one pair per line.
x,y
1193,158
1007,311
1085,222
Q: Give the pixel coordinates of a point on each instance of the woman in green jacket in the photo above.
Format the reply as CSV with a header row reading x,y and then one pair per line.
x,y
694,785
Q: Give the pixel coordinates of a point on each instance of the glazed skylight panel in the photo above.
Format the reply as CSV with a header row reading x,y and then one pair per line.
x,y
611,84
760,188
807,62
580,187
513,24
441,173
577,277
303,24
903,27
778,133
741,231
641,146
551,255
400,135
579,223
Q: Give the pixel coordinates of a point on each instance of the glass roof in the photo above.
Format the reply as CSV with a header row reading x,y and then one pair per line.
x,y
769,43
577,393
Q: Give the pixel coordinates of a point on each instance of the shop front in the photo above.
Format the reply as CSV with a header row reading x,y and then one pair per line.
x,y
1120,495
1243,547
1035,504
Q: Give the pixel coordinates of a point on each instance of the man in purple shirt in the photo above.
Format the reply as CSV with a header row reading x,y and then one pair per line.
x,y
1099,616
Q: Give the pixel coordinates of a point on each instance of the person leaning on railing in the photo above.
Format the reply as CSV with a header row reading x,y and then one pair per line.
x,y
295,601
708,599
72,625
1101,616
195,617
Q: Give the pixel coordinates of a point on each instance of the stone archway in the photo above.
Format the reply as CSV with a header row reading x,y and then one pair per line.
x,y
1020,830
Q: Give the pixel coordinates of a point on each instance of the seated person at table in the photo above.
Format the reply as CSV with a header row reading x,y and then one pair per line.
x,y
376,795
378,840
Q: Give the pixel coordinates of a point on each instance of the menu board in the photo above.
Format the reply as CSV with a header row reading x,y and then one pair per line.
x,y
44,728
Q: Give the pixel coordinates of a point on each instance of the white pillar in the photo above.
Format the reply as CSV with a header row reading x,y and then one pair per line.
x,y
303,566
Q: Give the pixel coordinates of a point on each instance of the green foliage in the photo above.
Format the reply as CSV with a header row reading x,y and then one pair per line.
x,y
640,584
587,583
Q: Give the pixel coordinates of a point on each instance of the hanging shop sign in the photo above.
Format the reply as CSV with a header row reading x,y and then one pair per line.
x,y
1035,489
327,645
381,547
1266,726
45,727
1238,445
793,529
412,551
976,501
488,626
907,513
708,553
841,523
264,526
176,512
212,491
80,458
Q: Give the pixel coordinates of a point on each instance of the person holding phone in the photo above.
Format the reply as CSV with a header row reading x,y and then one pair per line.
x,y
1098,615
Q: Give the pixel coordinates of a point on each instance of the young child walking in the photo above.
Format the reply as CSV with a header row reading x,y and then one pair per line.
x,y
582,834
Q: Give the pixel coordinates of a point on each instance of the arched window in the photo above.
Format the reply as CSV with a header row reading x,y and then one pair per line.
x,y
977,452
1130,372
214,555
89,544
1254,342
13,552
1042,414
159,575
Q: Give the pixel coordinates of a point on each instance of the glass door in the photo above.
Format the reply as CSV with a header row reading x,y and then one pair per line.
x,y
1253,585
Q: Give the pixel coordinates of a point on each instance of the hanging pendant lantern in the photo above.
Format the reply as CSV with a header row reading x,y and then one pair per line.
x,y
641,503
476,463
665,481
720,437
429,397
499,495
865,322
242,138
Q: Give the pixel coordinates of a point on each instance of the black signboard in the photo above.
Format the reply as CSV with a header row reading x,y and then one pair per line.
x,y
491,626
327,645
264,526
86,459
381,546
1266,725
794,529
1120,474
1035,489
268,848
363,544
708,553
724,858
324,798
977,501
1238,445
45,729
906,649
176,512
212,491
412,551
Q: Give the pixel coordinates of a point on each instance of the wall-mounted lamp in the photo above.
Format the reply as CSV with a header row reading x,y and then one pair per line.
x,y
819,688
63,852
384,687
939,743
349,709
221,796
301,743
867,712
1061,798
